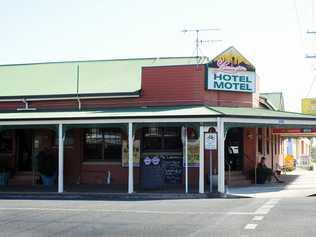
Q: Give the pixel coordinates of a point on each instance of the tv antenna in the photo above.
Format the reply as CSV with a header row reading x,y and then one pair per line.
x,y
198,41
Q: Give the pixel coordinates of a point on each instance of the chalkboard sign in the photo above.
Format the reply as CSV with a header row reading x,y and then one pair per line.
x,y
173,169
158,171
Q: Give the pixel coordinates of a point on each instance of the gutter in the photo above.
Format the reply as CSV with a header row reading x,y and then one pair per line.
x,y
73,98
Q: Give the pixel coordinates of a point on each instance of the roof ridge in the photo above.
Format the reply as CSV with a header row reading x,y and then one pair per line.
x,y
100,60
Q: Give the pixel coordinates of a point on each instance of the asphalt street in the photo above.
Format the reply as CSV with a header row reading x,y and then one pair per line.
x,y
203,217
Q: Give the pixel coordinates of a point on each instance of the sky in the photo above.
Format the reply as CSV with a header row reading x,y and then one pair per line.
x,y
271,34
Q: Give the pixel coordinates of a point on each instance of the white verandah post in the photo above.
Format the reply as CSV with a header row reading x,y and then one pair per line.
x,y
201,157
221,155
130,159
60,159
185,151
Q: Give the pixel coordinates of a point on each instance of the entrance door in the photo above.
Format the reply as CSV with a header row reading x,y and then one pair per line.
x,y
234,149
162,160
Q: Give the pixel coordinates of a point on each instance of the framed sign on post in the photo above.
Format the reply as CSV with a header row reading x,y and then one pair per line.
x,y
210,141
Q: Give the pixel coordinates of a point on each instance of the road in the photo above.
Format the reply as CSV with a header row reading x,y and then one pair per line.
x,y
206,217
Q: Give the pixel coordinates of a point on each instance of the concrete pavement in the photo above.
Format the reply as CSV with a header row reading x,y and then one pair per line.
x,y
298,183
202,217
272,214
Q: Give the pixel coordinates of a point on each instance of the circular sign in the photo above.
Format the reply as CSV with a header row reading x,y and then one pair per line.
x,y
155,160
147,161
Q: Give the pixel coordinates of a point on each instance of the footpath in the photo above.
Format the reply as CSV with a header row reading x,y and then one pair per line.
x,y
298,183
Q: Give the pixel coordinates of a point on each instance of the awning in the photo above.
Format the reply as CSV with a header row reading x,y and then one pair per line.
x,y
169,114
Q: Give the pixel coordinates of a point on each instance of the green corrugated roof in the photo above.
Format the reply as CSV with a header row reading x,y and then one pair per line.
x,y
147,112
139,112
95,77
275,98
258,112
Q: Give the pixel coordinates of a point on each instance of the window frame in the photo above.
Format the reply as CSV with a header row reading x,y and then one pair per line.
x,y
103,141
163,137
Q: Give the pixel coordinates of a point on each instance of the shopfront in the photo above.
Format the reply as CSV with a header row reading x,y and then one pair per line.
x,y
145,132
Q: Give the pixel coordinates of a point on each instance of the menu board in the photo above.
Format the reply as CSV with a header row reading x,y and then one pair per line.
x,y
173,169
158,171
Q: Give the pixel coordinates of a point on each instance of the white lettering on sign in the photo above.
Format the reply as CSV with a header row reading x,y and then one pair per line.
x,y
228,66
210,141
242,81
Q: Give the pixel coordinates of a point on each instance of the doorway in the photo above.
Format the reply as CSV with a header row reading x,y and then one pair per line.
x,y
234,149
161,163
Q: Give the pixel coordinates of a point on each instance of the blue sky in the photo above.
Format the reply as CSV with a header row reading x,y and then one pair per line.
x,y
270,33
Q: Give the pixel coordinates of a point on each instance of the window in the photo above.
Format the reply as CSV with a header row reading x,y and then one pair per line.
x,y
268,140
6,142
157,139
274,144
69,139
260,140
103,144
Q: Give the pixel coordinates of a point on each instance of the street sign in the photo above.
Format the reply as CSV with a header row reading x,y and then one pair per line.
x,y
210,141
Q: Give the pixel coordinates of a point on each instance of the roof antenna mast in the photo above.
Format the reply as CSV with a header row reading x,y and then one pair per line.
x,y
198,41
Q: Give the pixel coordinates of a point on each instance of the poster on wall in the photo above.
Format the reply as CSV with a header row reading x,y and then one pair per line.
x,y
230,71
136,153
193,153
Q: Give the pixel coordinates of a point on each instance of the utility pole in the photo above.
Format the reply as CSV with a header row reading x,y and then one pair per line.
x,y
312,32
198,41
311,56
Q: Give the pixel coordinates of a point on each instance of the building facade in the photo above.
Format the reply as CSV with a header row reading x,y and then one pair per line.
x,y
139,124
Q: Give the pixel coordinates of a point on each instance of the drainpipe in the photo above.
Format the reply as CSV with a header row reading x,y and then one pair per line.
x,y
78,98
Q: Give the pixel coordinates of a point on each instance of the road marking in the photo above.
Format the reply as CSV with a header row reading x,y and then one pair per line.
x,y
121,211
240,213
262,211
267,206
250,226
257,218
273,201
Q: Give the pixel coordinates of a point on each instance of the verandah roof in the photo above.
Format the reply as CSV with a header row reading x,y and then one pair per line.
x,y
196,111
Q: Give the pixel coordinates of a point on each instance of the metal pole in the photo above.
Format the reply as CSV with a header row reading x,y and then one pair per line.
x,y
211,172
221,156
186,160
130,159
201,170
60,159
